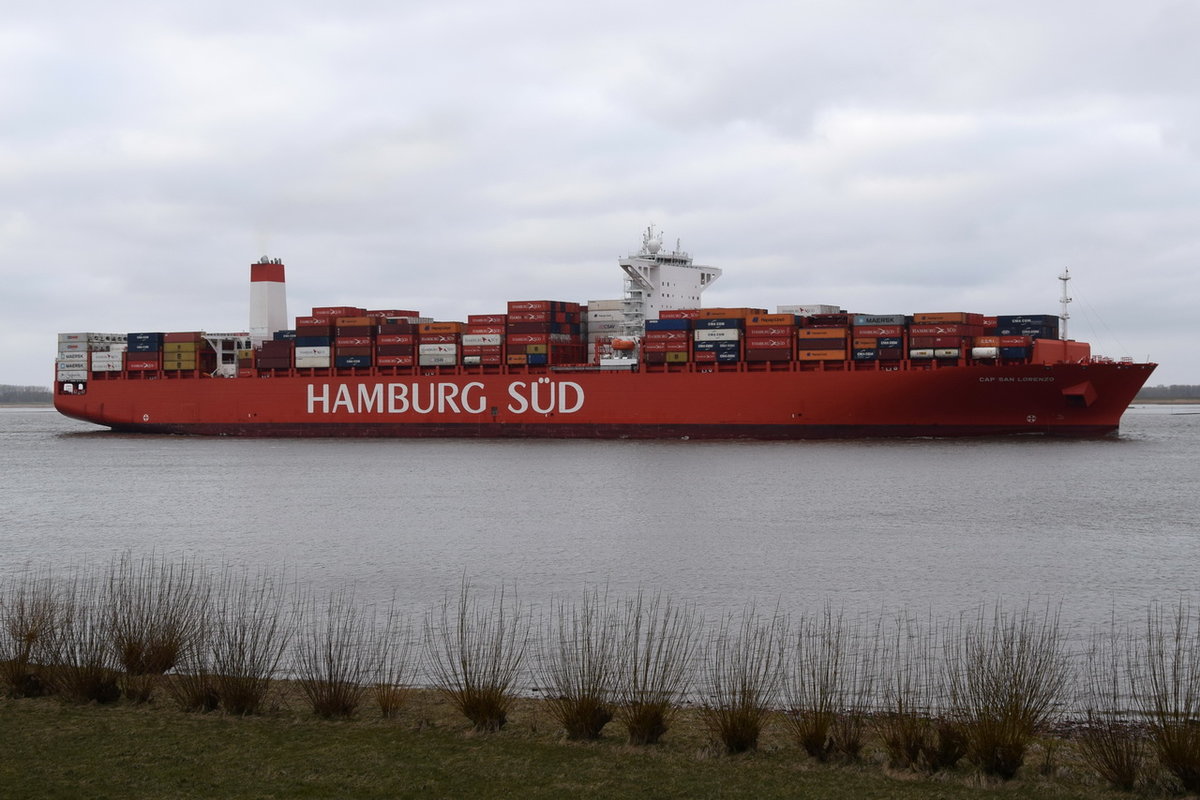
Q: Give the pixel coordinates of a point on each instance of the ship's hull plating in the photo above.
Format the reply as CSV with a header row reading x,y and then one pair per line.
x,y
1076,400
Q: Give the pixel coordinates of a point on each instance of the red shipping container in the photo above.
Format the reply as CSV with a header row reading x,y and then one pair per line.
x,y
393,313
397,327
491,358
395,338
529,305
352,341
354,330
530,316
394,350
939,330
768,354
324,321
353,351
529,327
529,338
183,336
246,372
438,338
704,355
485,330
1015,341
668,336
768,343
487,319
393,361
679,313
879,330
770,330
337,311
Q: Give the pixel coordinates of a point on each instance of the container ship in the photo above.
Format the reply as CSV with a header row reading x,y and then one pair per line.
x,y
651,364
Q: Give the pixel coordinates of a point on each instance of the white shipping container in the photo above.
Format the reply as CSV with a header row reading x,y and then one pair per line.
x,y
471,361
605,305
605,316
436,360
923,352
437,350
312,362
74,357
72,347
985,352
946,352
808,310
313,352
716,335
65,374
73,337
107,358
482,340
107,367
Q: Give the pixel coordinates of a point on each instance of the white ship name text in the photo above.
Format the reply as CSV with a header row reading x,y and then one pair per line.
x,y
538,396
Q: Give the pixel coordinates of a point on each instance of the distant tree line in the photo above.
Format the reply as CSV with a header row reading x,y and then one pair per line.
x,y
1172,392
25,394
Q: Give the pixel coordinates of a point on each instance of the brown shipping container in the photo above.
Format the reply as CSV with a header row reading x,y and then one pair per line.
x,y
397,328
354,330
274,363
768,343
655,357
890,353
314,330
514,358
355,321
770,330
767,354
941,316
822,344
861,343
394,350
184,336
821,355
353,351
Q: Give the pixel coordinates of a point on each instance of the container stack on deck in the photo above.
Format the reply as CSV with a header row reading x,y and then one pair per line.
x,y
80,352
544,332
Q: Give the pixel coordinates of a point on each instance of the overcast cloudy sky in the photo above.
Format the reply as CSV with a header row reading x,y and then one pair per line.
x,y
890,157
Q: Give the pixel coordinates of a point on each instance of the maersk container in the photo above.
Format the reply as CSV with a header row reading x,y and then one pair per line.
x,y
716,334
73,357
885,319
985,352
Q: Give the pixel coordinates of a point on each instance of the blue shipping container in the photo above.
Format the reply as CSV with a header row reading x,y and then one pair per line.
x,y
344,362
313,341
668,324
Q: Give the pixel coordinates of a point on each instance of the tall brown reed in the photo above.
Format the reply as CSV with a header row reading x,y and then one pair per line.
x,y
743,663
1014,673
829,684
658,645
1111,742
251,632
1168,692
475,654
391,661
154,610
332,653
29,613
577,664
907,661
84,663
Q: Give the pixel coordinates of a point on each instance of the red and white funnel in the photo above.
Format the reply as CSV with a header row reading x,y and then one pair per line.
x,y
268,298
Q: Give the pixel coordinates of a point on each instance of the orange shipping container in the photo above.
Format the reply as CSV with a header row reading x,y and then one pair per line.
x,y
516,359
440,327
771,319
821,355
821,333
987,341
865,343
342,322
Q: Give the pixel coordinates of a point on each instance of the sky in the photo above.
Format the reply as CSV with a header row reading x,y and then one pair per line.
x,y
450,156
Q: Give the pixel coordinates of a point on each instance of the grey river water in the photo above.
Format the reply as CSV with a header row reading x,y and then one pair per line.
x,y
932,526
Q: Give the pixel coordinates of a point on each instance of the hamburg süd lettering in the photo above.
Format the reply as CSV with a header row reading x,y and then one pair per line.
x,y
539,396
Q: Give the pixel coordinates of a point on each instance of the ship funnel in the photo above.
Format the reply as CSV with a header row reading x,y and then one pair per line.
x,y
268,298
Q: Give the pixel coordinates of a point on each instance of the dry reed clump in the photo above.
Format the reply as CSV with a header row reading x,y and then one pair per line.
x,y
29,613
251,630
1011,673
829,686
655,652
903,724
577,663
475,653
391,662
743,663
84,664
1167,677
332,654
1111,742
154,609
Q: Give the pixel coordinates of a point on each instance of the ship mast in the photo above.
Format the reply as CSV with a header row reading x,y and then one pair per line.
x,y
1064,315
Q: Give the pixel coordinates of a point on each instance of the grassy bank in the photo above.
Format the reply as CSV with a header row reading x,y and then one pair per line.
x,y
54,749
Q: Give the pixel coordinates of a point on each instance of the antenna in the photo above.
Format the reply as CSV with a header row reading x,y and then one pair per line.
x,y
1064,315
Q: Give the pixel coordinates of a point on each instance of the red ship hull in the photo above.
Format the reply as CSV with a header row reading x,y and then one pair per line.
x,y
740,401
